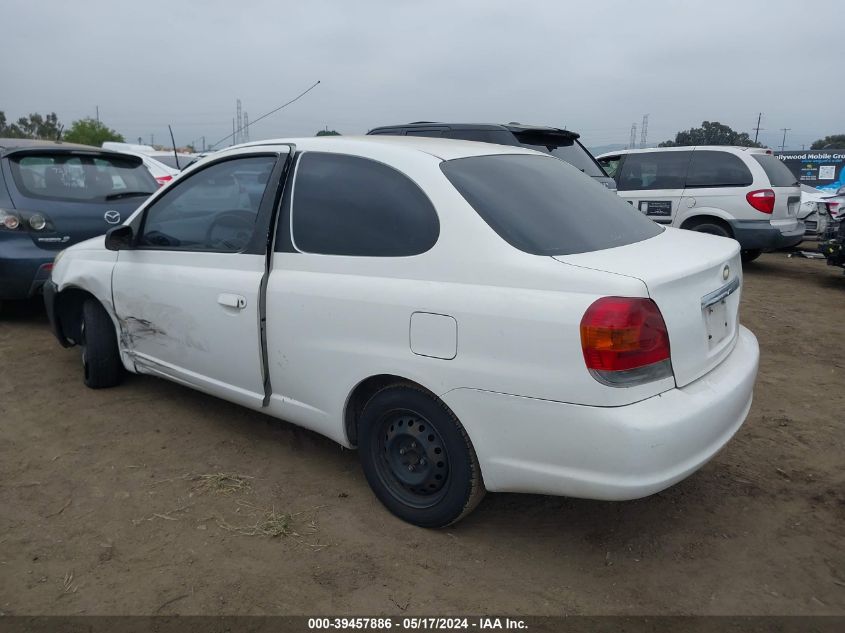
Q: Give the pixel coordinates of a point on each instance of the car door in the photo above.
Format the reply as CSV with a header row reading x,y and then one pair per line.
x,y
716,183
653,182
187,293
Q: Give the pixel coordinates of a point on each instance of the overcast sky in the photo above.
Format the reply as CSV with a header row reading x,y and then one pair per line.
x,y
595,67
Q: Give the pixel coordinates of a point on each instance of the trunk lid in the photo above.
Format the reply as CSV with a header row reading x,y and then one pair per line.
x,y
695,279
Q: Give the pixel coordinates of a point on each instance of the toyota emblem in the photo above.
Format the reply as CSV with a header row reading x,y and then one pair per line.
x,y
726,272
112,217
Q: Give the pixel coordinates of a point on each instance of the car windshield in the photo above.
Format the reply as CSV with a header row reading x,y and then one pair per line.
x,y
545,207
79,177
568,149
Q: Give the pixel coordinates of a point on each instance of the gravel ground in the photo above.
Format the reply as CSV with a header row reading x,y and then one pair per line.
x,y
154,499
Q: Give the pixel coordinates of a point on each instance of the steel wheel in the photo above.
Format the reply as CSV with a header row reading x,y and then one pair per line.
x,y
411,458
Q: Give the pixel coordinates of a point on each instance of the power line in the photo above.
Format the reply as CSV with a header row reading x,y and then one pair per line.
x,y
264,116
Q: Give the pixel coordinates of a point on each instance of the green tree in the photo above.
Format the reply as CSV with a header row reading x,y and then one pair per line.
x,y
33,126
835,141
89,131
327,132
711,133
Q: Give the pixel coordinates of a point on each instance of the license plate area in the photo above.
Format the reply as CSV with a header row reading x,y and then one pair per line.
x,y
716,322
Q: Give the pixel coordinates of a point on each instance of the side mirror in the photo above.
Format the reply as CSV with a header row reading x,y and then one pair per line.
x,y
119,238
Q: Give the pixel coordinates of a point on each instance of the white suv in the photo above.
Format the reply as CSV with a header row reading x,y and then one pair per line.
x,y
739,192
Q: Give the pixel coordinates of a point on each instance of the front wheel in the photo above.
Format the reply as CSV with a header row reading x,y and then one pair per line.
x,y
750,255
418,458
100,354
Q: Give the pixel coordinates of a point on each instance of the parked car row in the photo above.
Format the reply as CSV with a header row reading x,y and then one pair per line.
x,y
470,316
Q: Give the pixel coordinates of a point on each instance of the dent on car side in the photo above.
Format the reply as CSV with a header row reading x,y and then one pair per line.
x,y
489,329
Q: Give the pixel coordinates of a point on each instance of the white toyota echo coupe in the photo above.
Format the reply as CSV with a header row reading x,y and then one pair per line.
x,y
470,316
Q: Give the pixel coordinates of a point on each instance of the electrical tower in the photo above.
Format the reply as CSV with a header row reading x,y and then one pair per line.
x,y
239,122
644,131
245,132
633,142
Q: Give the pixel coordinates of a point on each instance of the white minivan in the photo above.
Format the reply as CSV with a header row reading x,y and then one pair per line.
x,y
739,192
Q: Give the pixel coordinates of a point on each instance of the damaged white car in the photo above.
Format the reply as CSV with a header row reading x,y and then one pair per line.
x,y
471,317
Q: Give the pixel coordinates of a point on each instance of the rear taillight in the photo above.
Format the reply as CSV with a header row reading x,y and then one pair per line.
x,y
833,208
763,200
24,221
625,341
9,220
163,180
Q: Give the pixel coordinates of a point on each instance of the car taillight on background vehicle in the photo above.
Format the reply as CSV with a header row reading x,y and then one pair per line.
x,y
763,200
24,221
833,209
163,180
625,341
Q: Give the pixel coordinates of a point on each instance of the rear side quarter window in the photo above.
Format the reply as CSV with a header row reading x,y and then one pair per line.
x,y
710,168
778,174
348,205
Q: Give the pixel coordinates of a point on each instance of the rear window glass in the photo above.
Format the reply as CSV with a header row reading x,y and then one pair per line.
x,y
170,160
545,207
653,170
778,173
717,169
569,150
73,177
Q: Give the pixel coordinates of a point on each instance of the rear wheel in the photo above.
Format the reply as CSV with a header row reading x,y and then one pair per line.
x,y
100,354
418,458
750,255
713,228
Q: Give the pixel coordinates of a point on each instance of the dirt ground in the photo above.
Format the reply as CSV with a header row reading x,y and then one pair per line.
x,y
110,503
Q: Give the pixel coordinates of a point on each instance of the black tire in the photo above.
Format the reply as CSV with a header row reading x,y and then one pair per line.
x,y
712,228
418,458
100,355
750,255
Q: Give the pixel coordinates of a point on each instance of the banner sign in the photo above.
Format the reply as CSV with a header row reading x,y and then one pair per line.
x,y
821,168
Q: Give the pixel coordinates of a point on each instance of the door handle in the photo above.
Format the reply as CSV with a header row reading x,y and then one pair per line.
x,y
231,300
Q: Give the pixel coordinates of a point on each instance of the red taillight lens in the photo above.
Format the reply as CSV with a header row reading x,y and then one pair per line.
x,y
763,200
163,180
833,209
625,341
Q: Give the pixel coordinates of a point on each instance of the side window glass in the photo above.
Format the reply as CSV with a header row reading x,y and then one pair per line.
x,y
432,133
710,168
213,209
346,205
653,170
610,164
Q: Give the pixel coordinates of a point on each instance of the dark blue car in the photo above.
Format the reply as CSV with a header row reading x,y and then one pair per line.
x,y
53,195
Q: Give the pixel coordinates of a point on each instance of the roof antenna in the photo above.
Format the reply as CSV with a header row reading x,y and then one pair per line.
x,y
175,155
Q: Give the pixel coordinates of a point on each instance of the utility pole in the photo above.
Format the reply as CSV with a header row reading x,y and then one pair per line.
x,y
234,134
152,140
203,145
644,131
245,131
758,128
240,117
633,142
98,113
783,144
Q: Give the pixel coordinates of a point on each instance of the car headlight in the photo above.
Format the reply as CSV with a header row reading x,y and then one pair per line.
x,y
37,221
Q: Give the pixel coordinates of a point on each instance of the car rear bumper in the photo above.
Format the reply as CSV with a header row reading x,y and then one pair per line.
x,y
23,268
763,235
613,453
